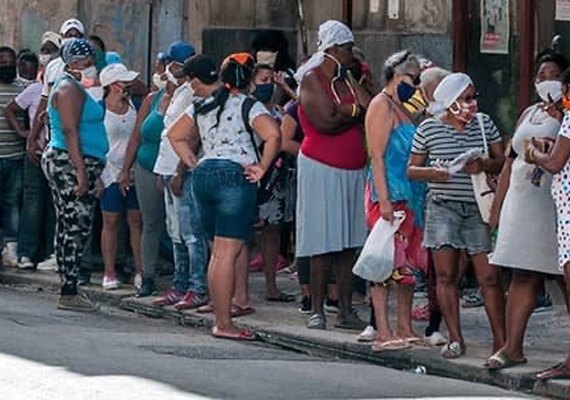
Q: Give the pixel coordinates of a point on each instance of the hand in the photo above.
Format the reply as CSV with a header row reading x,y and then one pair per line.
x,y
279,79
474,167
544,144
440,175
32,150
553,109
176,184
82,183
529,154
99,188
494,219
387,211
124,181
43,117
254,173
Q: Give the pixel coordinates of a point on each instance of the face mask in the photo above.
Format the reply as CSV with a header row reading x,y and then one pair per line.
x,y
549,90
264,92
158,82
464,112
170,76
88,76
342,71
405,91
125,90
7,73
44,59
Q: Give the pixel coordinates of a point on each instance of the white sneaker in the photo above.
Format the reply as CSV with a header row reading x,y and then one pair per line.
x,y
111,284
436,339
10,255
26,263
367,335
138,281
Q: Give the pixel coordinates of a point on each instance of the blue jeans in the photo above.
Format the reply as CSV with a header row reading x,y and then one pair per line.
x,y
193,277
37,220
10,197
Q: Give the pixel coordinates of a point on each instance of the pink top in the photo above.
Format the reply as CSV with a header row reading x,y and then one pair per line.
x,y
345,150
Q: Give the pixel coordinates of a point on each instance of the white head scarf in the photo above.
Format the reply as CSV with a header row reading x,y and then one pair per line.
x,y
331,33
448,91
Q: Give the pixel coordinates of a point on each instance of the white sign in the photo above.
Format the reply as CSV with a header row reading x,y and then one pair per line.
x,y
393,9
495,28
562,10
374,6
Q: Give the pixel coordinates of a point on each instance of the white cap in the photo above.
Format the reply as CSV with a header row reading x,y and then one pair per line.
x,y
116,73
72,24
449,90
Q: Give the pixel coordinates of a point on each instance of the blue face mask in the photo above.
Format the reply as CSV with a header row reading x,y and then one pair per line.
x,y
264,92
405,91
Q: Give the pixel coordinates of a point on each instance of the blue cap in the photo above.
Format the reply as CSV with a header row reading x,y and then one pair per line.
x,y
112,57
180,51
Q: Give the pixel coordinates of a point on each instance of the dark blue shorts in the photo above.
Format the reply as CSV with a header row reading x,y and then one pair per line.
x,y
112,200
227,202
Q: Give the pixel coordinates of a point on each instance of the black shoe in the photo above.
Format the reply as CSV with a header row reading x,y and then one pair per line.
x,y
148,288
543,303
331,306
350,321
83,277
305,305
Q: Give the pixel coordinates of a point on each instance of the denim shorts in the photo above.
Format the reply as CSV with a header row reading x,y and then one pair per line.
x,y
457,225
227,202
112,200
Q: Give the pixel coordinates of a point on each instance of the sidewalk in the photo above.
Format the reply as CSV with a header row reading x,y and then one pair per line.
x,y
281,324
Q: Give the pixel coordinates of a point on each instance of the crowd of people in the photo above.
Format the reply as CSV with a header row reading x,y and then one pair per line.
x,y
311,156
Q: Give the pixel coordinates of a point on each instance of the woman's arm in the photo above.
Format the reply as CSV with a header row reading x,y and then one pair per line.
x,y
500,193
69,103
288,130
10,113
553,162
268,130
328,117
180,136
494,164
134,142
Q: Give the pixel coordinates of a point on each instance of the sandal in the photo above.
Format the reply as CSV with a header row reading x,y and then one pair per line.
x,y
282,298
472,301
390,345
500,360
239,311
206,309
415,341
243,335
453,350
559,371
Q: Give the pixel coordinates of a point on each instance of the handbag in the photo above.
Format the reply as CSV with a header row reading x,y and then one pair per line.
x,y
376,260
484,185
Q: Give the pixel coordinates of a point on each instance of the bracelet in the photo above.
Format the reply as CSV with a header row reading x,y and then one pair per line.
x,y
531,155
354,110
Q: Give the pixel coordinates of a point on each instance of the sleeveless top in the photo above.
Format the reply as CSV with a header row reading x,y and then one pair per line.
x,y
92,137
344,150
396,158
151,130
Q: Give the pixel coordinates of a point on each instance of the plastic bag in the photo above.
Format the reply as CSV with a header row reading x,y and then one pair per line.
x,y
376,261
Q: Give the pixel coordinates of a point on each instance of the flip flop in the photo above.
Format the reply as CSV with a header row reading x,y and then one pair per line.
x,y
243,336
452,350
415,341
238,311
282,298
500,360
206,309
390,345
559,371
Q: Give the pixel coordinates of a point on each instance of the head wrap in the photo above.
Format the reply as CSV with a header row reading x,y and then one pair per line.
x,y
51,37
449,90
75,50
331,33
70,24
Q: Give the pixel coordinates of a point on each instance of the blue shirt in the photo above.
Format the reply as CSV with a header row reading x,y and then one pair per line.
x,y
92,136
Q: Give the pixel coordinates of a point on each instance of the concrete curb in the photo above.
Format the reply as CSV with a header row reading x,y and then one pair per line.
x,y
465,369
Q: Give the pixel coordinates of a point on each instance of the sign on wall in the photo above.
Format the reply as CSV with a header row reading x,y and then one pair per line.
x,y
562,10
495,28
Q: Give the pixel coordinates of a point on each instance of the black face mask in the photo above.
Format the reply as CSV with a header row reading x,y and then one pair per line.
x,y
7,73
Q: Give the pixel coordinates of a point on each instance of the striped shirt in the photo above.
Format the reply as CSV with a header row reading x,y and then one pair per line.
x,y
11,145
439,141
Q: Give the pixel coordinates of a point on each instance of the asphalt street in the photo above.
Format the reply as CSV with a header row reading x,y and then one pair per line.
x,y
50,354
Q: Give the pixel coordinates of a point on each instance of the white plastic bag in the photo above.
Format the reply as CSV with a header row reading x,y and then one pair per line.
x,y
376,261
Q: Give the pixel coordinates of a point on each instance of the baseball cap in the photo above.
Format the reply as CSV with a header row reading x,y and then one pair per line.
x,y
51,37
116,73
72,24
112,57
180,51
202,68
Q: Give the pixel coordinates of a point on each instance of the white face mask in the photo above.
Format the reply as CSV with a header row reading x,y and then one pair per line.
x,y
549,90
171,78
45,58
158,82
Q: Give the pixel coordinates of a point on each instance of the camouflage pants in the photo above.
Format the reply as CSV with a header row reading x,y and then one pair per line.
x,y
74,214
